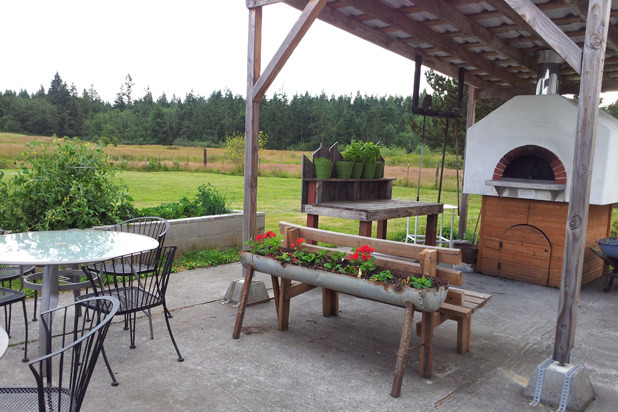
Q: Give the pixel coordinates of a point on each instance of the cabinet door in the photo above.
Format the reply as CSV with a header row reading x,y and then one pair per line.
x,y
525,255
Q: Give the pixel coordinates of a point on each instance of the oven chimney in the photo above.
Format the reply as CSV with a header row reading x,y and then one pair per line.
x,y
548,76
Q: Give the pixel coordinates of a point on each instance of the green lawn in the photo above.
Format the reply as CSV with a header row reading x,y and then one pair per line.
x,y
278,197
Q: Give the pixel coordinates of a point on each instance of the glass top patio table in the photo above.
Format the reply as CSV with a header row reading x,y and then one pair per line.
x,y
66,247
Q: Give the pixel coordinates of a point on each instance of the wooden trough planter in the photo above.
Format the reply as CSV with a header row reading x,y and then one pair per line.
x,y
403,257
424,300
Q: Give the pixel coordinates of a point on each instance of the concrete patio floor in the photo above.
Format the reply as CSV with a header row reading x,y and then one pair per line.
x,y
337,363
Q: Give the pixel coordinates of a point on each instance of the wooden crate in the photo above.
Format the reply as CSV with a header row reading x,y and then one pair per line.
x,y
523,239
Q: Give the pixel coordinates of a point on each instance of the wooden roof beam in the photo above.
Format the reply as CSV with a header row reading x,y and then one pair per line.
x,y
390,43
306,19
394,18
581,8
465,24
552,35
251,4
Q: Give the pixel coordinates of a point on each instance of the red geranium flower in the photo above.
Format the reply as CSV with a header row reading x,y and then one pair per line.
x,y
300,240
260,237
270,233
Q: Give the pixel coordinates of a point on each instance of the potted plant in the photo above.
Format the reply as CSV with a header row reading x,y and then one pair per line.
x,y
379,165
323,167
370,154
354,273
353,153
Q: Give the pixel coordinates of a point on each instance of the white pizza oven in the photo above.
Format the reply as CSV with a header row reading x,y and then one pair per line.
x,y
524,149
520,159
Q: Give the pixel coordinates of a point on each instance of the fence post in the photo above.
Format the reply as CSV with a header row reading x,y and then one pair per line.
x,y
205,158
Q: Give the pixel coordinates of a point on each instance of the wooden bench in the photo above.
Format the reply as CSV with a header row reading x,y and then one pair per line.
x,y
411,258
459,306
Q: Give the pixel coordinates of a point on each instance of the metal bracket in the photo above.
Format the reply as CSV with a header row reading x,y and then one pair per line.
x,y
540,375
566,387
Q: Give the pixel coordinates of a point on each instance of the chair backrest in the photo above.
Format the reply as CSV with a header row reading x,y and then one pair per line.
x,y
75,335
154,227
117,277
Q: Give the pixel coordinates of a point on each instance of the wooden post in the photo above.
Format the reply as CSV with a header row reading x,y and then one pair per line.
x,y
242,306
463,203
404,343
205,158
577,222
252,124
432,230
426,346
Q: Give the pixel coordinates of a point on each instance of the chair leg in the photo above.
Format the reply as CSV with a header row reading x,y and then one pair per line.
x,y
150,322
126,322
25,359
35,300
132,318
169,329
7,319
168,313
109,367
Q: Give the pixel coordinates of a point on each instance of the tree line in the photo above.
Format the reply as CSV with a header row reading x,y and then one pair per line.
x,y
299,122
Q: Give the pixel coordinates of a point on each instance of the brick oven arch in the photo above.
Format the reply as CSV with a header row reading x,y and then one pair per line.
x,y
555,163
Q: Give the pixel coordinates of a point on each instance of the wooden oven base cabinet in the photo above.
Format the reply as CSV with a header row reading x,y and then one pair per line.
x,y
524,239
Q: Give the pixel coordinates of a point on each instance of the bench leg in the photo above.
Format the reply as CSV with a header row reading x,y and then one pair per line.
x,y
283,310
464,327
427,345
330,303
242,306
404,345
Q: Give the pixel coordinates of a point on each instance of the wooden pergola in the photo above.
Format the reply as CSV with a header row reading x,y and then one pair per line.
x,y
496,42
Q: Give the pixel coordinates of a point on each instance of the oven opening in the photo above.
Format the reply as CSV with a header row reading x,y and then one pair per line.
x,y
529,167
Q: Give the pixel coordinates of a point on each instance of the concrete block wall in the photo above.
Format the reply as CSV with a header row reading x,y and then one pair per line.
x,y
209,231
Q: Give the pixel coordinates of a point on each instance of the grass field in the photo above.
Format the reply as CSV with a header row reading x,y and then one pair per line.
x,y
278,197
401,165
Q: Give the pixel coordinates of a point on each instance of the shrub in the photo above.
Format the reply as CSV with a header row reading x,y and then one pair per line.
x,y
63,184
208,201
235,148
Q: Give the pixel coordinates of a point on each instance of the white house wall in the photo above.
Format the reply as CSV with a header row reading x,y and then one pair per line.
x,y
548,121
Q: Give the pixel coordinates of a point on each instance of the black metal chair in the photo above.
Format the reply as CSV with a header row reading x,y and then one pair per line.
x,y
75,335
7,298
139,282
154,227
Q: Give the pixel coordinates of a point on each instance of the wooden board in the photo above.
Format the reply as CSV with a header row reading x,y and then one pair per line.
x,y
373,210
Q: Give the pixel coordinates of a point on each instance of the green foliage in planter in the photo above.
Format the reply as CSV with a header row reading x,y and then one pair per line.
x,y
421,283
353,153
208,201
370,152
63,184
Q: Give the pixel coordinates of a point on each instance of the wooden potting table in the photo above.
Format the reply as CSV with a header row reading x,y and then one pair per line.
x,y
380,210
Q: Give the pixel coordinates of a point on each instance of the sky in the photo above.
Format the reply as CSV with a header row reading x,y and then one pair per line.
x,y
182,46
